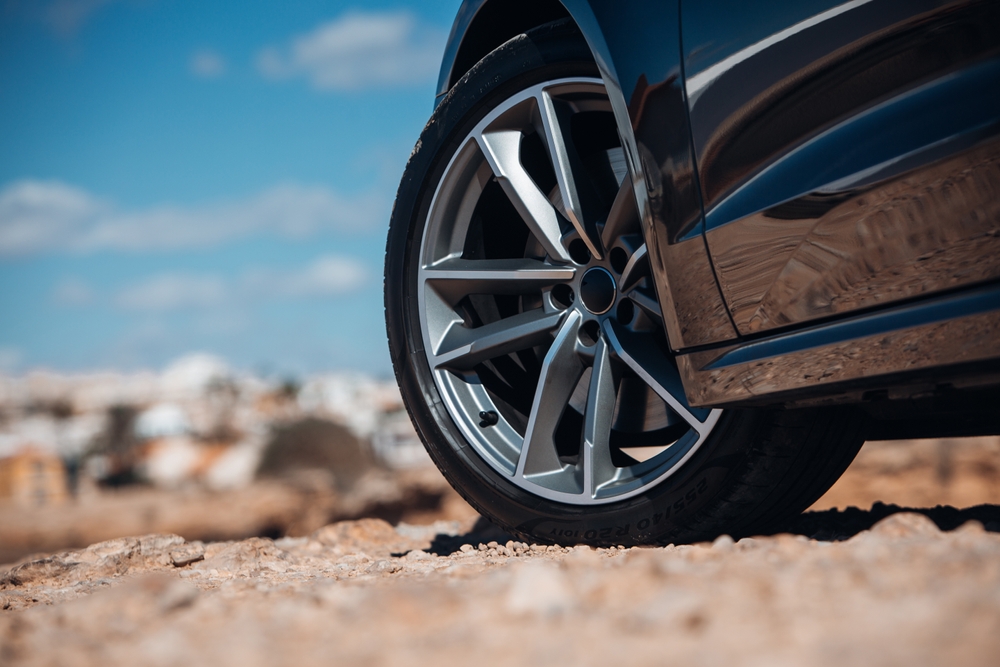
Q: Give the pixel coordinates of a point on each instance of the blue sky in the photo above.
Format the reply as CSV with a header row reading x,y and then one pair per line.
x,y
187,175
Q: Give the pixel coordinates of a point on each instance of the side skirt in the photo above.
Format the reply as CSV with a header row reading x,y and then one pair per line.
x,y
919,349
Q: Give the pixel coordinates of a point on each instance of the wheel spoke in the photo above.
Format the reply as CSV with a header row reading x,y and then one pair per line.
x,y
597,465
641,353
623,217
456,278
637,267
561,371
565,161
648,304
461,348
502,149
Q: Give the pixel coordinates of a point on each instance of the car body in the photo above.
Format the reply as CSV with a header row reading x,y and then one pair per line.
x,y
656,270
819,187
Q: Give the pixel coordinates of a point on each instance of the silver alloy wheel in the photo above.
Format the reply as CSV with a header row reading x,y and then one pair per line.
x,y
541,327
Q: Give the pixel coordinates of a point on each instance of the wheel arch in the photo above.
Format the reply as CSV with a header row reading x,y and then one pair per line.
x,y
482,25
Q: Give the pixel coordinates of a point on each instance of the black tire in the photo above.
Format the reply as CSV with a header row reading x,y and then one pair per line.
x,y
756,468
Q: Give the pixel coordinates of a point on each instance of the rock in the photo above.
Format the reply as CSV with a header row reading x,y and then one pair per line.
x,y
723,543
906,524
972,527
156,548
187,554
34,571
383,567
245,558
538,588
373,536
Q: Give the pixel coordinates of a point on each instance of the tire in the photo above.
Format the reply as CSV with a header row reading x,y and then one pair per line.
x,y
528,345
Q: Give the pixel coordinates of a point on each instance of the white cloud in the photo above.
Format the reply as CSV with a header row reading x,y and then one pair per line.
x,y
327,276
359,50
207,64
73,292
35,214
47,216
174,291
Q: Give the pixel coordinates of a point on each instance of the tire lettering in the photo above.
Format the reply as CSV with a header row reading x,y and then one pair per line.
x,y
688,500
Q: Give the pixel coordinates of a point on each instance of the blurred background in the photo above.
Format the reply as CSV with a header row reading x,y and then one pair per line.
x,y
194,198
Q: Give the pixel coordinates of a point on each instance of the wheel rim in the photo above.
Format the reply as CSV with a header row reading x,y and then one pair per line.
x,y
539,318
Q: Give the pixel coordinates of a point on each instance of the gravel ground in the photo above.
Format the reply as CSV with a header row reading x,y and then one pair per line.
x,y
363,592
881,586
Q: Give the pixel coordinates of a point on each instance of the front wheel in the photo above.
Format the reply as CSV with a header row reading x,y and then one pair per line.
x,y
527,337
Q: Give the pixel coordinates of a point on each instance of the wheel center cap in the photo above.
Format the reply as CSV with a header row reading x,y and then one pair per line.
x,y
597,290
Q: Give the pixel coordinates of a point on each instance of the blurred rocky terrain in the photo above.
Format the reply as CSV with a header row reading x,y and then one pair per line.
x,y
961,472
207,453
197,516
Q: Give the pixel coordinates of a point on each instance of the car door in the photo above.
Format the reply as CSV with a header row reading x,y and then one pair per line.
x,y
848,153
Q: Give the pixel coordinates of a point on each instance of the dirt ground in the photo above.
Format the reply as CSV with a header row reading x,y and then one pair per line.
x,y
879,585
294,507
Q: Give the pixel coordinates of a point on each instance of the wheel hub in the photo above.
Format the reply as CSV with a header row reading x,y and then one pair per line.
x,y
598,290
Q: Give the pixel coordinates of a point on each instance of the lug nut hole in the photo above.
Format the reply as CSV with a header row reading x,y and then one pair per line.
x,y
625,312
589,333
562,296
619,259
578,251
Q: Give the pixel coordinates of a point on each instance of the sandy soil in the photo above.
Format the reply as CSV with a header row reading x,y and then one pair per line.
x,y
877,586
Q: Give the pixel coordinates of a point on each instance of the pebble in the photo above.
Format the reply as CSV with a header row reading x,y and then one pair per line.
x,y
723,543
187,554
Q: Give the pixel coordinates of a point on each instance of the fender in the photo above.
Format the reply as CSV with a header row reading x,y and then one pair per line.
x,y
638,52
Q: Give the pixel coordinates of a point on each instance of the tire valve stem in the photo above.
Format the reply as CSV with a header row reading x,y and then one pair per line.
x,y
489,418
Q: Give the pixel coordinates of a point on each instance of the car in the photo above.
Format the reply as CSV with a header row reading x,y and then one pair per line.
x,y
656,270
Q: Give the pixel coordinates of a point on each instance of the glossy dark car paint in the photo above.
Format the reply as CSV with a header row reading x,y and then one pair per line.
x,y
819,184
849,160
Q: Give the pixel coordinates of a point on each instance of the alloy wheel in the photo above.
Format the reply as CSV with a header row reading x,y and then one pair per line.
x,y
538,312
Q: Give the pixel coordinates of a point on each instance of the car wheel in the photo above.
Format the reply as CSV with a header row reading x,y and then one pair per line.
x,y
527,338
